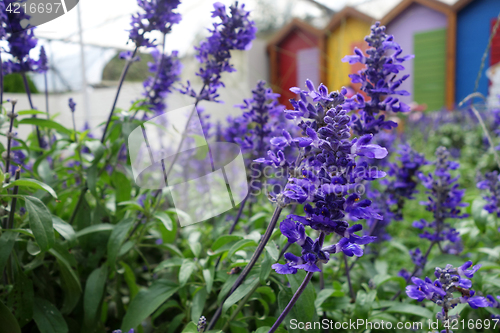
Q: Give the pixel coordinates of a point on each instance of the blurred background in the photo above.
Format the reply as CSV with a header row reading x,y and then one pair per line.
x,y
83,47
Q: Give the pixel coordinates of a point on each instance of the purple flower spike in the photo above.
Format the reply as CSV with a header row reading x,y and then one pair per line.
x,y
441,291
378,80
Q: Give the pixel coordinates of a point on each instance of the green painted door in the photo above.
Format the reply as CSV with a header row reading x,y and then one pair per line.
x,y
429,68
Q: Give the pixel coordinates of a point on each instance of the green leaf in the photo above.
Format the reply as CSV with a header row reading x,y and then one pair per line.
x,y
30,112
122,185
47,124
130,280
165,219
323,295
265,267
7,241
240,245
187,268
95,228
380,280
190,328
304,309
268,292
40,221
8,321
94,291
411,310
21,297
479,214
117,238
208,275
71,286
48,318
224,240
444,259
146,302
273,250
240,292
199,300
32,183
64,229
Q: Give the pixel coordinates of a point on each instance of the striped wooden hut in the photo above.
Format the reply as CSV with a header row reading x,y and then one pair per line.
x,y
475,22
426,28
295,54
346,30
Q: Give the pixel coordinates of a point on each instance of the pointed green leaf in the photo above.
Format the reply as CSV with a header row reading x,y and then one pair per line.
x,y
32,183
94,291
118,235
165,219
40,221
146,302
7,241
187,268
8,321
48,318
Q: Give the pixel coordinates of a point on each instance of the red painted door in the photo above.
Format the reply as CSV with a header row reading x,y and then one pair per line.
x,y
287,62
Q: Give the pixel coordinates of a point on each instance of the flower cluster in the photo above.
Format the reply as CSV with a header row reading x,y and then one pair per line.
x,y
401,186
167,70
21,41
493,303
258,124
444,201
42,63
202,324
235,32
378,81
491,183
156,15
440,291
325,174
3,21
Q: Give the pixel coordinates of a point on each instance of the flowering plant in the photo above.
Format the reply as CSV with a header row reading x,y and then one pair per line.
x,y
323,236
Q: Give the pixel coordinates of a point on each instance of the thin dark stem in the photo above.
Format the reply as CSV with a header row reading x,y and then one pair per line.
x,y
78,203
447,321
120,84
122,79
184,134
292,302
353,296
12,116
299,291
1,80
284,249
47,107
238,216
416,269
242,303
253,260
28,93
46,95
10,223
233,226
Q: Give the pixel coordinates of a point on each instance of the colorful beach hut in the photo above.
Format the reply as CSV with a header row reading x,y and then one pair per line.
x,y
426,28
346,30
295,54
475,21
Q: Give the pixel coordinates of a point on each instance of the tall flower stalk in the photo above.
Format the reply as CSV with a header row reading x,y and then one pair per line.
x,y
324,173
383,61
445,202
155,15
440,291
